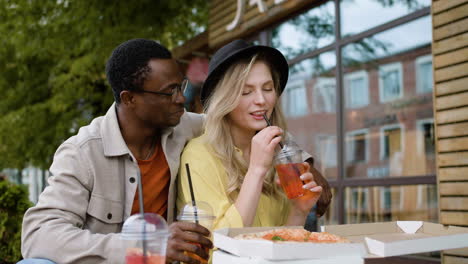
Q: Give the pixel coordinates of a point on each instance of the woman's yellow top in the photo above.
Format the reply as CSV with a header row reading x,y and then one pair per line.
x,y
209,181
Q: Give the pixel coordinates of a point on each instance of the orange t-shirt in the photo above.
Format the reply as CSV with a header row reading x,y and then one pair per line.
x,y
155,179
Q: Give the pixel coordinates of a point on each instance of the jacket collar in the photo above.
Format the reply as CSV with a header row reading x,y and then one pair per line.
x,y
112,139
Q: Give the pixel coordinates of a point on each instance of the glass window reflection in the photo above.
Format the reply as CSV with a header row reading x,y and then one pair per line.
x,y
380,204
309,104
360,15
399,110
311,30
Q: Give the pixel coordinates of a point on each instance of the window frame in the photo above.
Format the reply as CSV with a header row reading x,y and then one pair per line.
x,y
293,86
364,131
420,134
323,82
387,68
347,80
382,130
418,62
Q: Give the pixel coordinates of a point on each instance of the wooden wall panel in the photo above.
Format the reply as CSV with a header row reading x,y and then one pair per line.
x,y
452,43
458,251
453,174
451,188
452,86
453,144
446,17
451,58
454,203
443,5
452,159
452,115
451,72
450,65
454,218
454,100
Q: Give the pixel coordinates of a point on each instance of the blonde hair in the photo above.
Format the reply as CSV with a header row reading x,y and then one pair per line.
x,y
223,100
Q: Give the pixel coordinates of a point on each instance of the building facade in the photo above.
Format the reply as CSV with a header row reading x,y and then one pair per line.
x,y
374,87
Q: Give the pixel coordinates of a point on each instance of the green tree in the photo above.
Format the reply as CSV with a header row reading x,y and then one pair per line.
x,y
13,204
52,58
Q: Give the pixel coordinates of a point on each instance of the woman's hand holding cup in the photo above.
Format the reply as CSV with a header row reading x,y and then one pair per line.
x,y
263,147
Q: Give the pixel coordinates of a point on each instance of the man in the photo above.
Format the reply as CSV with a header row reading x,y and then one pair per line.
x,y
93,189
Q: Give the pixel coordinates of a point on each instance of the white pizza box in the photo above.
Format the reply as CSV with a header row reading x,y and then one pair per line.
x,y
222,257
402,237
224,239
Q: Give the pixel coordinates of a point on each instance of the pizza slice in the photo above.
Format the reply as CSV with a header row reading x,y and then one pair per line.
x,y
294,235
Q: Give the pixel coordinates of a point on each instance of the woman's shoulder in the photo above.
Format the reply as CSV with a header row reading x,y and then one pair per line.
x,y
197,146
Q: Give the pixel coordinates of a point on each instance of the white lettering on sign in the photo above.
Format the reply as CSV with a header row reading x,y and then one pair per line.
x,y
241,8
261,6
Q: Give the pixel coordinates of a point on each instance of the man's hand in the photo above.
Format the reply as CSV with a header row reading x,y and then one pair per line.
x,y
186,237
326,197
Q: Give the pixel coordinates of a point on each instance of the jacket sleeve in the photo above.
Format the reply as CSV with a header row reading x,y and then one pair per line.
x,y
54,228
207,173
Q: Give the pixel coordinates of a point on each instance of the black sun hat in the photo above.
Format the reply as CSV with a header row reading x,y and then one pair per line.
x,y
234,51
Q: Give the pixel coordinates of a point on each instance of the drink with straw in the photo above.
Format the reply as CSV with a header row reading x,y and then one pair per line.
x,y
288,165
145,239
135,256
201,213
289,174
196,212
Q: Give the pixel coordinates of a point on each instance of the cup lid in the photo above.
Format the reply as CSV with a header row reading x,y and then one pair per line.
x,y
201,211
289,148
144,227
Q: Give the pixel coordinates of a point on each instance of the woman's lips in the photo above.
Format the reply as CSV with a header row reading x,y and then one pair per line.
x,y
257,116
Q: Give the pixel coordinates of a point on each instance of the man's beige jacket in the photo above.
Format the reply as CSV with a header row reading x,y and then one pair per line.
x,y
91,192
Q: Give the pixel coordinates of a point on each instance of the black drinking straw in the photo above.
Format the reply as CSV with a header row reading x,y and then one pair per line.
x,y
281,145
142,213
191,192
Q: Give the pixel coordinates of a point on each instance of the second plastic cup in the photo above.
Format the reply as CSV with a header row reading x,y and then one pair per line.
x,y
289,166
201,213
145,239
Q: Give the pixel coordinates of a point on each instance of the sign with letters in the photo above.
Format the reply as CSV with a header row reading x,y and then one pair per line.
x,y
262,8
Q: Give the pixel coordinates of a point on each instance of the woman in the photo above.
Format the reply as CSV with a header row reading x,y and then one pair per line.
x,y
231,163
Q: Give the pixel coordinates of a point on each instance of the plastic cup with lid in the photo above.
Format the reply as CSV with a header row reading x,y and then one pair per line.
x,y
145,239
289,166
201,213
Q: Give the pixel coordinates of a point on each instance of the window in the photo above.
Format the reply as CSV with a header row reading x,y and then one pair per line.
x,y
424,74
390,82
296,96
426,137
357,146
326,146
390,141
357,89
385,198
324,96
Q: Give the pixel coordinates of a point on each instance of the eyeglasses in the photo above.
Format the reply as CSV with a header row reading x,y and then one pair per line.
x,y
175,89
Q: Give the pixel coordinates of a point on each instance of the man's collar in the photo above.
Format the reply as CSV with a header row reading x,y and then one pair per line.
x,y
112,139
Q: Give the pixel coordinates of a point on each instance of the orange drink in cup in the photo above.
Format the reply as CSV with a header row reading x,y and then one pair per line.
x,y
145,239
200,213
289,176
289,166
135,256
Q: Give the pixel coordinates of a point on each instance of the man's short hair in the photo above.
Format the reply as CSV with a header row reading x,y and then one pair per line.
x,y
127,67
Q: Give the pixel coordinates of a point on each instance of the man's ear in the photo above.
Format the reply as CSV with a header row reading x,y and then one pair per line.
x,y
127,98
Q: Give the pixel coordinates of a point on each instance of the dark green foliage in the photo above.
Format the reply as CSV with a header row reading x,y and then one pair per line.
x,y
52,59
13,204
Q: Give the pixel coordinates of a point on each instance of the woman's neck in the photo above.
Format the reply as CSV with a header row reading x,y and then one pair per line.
x,y
243,140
